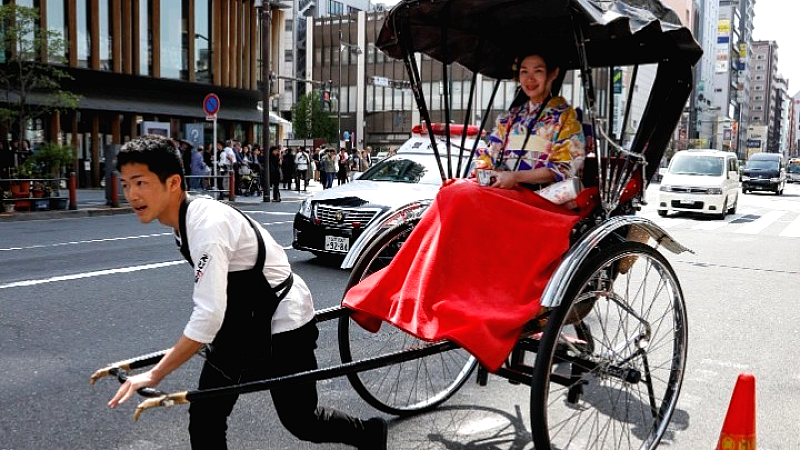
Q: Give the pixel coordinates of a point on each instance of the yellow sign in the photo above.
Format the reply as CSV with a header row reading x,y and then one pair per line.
x,y
724,27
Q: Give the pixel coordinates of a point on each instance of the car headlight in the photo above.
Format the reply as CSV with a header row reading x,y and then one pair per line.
x,y
714,191
305,208
745,178
774,180
665,188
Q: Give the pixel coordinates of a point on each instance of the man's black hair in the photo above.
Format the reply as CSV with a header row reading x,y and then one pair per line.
x,y
156,152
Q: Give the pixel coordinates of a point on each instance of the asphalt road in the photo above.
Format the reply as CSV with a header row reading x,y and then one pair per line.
x,y
76,294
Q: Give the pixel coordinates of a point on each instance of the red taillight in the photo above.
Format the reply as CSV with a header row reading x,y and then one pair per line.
x,y
356,224
317,221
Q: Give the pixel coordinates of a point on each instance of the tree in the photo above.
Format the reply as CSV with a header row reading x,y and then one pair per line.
x,y
309,120
30,83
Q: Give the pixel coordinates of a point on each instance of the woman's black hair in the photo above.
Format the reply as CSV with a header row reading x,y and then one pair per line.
x,y
551,61
158,153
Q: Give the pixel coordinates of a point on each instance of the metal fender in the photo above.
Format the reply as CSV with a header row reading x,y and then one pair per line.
x,y
386,221
577,254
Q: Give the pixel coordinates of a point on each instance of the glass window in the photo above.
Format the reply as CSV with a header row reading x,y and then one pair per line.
x,y
173,28
104,15
288,56
289,26
145,40
57,22
202,41
84,33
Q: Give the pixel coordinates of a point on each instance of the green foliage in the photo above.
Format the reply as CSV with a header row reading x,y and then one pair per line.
x,y
310,120
30,80
52,158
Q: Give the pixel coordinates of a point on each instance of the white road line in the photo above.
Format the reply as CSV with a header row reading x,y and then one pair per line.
x,y
709,226
62,244
98,273
761,223
670,222
271,213
793,230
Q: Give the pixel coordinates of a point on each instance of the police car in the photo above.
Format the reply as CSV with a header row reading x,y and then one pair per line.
x,y
342,221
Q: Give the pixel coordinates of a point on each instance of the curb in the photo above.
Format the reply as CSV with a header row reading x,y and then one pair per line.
x,y
64,214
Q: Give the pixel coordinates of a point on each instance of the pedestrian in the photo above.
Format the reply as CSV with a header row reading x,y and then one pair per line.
x,y
301,162
317,158
198,169
330,166
275,172
287,165
355,164
248,329
344,167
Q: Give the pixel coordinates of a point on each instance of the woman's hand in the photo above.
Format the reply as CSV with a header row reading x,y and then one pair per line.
x,y
504,179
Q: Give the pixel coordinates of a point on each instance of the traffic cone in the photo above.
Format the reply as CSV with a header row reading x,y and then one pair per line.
x,y
739,429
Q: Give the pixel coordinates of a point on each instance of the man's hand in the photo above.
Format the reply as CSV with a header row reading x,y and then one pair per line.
x,y
131,385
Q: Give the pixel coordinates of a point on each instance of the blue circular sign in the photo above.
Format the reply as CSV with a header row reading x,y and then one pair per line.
x,y
211,104
346,135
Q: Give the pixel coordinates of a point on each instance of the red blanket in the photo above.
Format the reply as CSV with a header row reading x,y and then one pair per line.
x,y
471,272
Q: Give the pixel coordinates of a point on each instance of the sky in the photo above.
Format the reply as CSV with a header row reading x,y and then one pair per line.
x,y
775,20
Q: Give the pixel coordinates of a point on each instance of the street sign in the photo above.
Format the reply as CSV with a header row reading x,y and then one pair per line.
x,y
380,81
211,105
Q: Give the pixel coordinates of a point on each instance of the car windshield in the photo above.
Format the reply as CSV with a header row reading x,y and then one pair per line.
x,y
794,168
762,164
408,168
697,165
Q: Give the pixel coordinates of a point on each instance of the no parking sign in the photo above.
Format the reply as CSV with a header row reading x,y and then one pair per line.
x,y
211,105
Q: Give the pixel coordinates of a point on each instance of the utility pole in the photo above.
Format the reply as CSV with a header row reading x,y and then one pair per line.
x,y
265,14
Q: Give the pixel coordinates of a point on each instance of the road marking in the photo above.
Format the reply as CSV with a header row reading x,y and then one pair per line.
x,y
761,223
273,213
97,273
62,244
793,230
709,226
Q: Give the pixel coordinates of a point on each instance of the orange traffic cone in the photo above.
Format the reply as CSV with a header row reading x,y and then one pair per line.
x,y
739,429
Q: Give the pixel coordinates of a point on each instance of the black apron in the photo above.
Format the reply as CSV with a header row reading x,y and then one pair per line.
x,y
244,339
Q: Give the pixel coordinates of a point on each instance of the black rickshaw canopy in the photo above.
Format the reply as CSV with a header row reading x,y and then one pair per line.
x,y
486,36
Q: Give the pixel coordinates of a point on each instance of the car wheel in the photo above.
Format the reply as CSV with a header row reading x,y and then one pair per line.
x,y
744,191
662,212
721,215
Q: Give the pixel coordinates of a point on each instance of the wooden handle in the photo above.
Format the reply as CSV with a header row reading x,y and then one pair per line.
x,y
165,400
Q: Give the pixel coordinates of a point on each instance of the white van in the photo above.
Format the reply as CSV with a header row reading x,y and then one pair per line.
x,y
701,181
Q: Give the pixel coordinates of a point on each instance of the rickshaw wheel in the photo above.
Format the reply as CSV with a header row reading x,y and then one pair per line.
x,y
612,379
404,388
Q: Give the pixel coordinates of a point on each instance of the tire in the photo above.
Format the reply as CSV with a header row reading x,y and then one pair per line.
x,y
723,211
623,386
406,388
662,212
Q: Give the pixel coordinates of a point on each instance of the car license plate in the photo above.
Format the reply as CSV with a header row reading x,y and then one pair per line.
x,y
687,202
337,244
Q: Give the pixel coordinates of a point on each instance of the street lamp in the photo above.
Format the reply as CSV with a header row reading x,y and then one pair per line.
x,y
357,50
265,13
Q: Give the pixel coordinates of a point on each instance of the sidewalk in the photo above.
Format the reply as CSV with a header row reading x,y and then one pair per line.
x,y
92,202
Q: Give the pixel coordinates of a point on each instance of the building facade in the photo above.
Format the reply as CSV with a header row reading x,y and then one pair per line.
x,y
764,99
146,66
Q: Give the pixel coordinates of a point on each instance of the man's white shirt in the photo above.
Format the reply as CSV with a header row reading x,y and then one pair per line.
x,y
220,241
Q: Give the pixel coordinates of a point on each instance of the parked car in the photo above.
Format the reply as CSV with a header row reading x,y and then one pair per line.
x,y
701,181
764,172
343,220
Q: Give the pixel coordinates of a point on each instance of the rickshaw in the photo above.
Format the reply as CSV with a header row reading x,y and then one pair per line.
x,y
605,357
